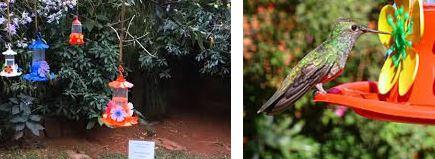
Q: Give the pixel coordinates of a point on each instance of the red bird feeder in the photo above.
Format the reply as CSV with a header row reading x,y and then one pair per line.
x,y
119,112
416,106
76,36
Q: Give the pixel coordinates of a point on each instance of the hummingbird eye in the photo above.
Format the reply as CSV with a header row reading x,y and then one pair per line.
x,y
354,27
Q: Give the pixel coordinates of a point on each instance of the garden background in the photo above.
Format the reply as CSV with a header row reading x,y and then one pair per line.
x,y
177,55
278,33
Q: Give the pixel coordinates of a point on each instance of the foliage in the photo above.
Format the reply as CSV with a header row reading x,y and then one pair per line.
x,y
197,32
159,35
276,35
197,29
21,116
285,142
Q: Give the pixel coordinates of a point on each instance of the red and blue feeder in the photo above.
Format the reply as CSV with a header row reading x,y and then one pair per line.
x,y
40,70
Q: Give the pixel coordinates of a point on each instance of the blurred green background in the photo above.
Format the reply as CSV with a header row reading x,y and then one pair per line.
x,y
277,33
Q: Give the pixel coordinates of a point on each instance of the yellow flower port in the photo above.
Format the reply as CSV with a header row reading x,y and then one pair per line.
x,y
405,21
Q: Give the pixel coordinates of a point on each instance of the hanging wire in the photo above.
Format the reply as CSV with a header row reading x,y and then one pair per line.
x,y
77,8
9,21
36,14
121,33
121,40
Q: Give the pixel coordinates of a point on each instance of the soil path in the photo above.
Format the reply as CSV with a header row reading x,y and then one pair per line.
x,y
199,134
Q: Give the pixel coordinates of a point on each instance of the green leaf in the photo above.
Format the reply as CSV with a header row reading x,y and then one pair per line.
x,y
19,127
18,135
27,111
100,122
89,25
18,119
138,113
35,117
13,100
15,109
6,107
297,128
90,124
22,105
102,17
34,127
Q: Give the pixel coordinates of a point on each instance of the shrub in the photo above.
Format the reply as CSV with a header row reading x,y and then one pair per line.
x,y
161,31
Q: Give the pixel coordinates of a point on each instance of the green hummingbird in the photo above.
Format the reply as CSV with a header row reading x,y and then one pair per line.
x,y
323,64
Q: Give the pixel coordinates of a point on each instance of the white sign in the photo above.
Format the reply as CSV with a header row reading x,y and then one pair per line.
x,y
140,149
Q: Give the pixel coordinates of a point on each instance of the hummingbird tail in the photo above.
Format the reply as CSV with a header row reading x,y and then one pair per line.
x,y
269,104
294,90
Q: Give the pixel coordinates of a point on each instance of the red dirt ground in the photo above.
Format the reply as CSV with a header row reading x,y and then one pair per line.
x,y
199,134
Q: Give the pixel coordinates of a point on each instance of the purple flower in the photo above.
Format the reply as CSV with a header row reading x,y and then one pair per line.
x,y
2,20
44,69
53,10
16,22
22,43
3,5
340,111
118,114
11,29
25,18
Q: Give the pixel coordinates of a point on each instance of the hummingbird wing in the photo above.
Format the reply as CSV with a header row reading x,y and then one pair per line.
x,y
306,74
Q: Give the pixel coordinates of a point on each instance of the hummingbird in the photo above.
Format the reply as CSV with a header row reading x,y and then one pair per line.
x,y
321,65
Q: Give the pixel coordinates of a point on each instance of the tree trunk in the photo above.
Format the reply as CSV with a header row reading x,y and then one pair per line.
x,y
149,96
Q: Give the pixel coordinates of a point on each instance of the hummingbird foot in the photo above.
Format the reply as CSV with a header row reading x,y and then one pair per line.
x,y
320,88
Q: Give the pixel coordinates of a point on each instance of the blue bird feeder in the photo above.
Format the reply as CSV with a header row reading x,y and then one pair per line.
x,y
40,70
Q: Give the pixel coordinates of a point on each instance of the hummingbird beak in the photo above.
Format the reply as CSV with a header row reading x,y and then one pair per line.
x,y
368,30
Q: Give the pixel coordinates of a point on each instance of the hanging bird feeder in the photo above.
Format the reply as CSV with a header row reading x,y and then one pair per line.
x,y
76,36
10,68
405,91
40,70
119,112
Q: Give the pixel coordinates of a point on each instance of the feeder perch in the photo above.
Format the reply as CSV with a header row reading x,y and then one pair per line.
x,y
10,68
397,103
119,112
76,36
40,70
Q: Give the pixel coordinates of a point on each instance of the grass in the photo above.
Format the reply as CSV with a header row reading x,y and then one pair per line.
x,y
32,154
44,153
159,154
